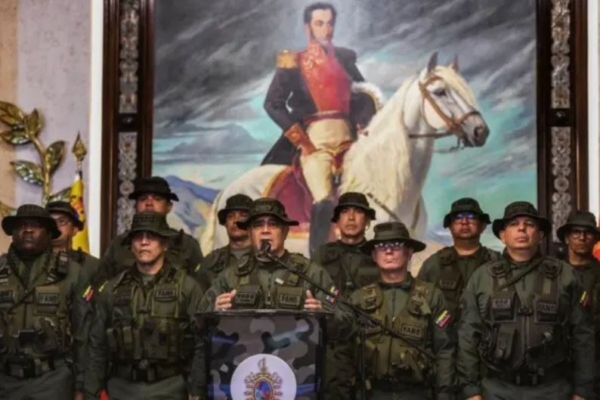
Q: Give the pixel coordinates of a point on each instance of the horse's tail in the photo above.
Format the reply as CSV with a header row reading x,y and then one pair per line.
x,y
207,235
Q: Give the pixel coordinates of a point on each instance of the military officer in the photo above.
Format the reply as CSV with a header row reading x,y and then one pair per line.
x,y
37,288
580,233
350,268
311,99
451,267
525,320
411,307
257,282
142,326
236,209
151,194
69,225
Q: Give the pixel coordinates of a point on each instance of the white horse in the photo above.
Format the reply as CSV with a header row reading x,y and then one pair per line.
x,y
390,163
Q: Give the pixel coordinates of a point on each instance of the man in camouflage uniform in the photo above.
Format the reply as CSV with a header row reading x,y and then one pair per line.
x,y
414,309
68,223
37,288
350,268
236,209
451,267
142,326
151,194
525,319
259,283
580,234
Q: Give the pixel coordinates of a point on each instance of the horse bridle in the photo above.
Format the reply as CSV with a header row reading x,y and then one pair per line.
x,y
453,125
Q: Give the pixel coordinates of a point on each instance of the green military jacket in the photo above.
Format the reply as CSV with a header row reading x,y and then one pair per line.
x,y
347,265
216,261
590,277
417,311
450,272
138,322
535,319
350,269
36,307
184,251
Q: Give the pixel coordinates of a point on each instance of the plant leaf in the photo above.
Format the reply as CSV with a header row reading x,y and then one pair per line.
x,y
11,115
33,123
54,155
63,195
28,171
6,210
15,137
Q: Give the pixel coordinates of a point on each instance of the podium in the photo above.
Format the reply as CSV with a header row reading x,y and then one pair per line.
x,y
264,354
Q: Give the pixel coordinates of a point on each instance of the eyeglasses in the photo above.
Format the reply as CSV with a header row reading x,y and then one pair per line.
x,y
390,246
62,221
269,222
581,233
469,216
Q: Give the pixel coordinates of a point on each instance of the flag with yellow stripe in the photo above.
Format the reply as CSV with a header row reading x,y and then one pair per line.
x,y
81,239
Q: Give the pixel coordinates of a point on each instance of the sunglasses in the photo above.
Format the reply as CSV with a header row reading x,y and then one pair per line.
x,y
582,233
465,215
390,246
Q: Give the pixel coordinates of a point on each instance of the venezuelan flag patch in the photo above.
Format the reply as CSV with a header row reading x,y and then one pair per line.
x,y
443,319
584,300
333,290
88,293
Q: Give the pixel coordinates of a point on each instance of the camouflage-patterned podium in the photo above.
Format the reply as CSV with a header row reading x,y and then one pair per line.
x,y
264,354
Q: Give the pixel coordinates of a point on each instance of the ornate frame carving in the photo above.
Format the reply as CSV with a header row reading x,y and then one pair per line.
x,y
561,107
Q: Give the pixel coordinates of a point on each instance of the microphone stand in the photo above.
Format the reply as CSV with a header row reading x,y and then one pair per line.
x,y
265,252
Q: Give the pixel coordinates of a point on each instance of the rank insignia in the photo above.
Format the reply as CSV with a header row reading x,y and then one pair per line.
x,y
88,293
584,300
334,291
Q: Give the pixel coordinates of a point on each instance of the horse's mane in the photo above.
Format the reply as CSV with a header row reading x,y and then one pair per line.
x,y
379,163
378,151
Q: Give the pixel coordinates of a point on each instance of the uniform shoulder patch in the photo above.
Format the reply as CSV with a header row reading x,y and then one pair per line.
x,y
88,293
287,59
584,300
443,319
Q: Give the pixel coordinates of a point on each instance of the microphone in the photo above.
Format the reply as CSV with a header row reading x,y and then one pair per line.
x,y
265,247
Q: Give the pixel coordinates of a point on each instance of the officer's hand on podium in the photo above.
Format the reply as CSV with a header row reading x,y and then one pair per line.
x,y
225,301
312,304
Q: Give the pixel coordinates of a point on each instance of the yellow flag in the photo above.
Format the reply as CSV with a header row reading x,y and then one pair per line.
x,y
81,240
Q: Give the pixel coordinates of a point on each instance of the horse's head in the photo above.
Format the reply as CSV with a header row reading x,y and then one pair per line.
x,y
448,105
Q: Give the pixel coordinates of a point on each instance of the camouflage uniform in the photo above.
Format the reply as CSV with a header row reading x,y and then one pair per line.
x,y
450,271
350,268
183,251
267,285
589,274
417,311
143,330
36,298
221,258
532,336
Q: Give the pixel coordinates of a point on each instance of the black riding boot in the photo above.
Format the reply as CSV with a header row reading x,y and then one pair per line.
x,y
320,223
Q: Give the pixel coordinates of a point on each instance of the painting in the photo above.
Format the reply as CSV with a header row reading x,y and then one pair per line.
x,y
414,103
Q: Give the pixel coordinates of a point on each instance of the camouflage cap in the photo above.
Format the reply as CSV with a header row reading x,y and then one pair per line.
x,y
67,209
30,211
392,232
149,221
266,206
155,185
520,209
235,202
353,199
581,219
466,204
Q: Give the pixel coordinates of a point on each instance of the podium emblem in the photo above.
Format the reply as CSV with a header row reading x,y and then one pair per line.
x,y
255,379
263,385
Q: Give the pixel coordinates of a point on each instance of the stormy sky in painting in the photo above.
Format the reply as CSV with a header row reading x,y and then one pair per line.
x,y
215,60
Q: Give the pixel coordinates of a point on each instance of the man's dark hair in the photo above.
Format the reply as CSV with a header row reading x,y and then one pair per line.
x,y
319,6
